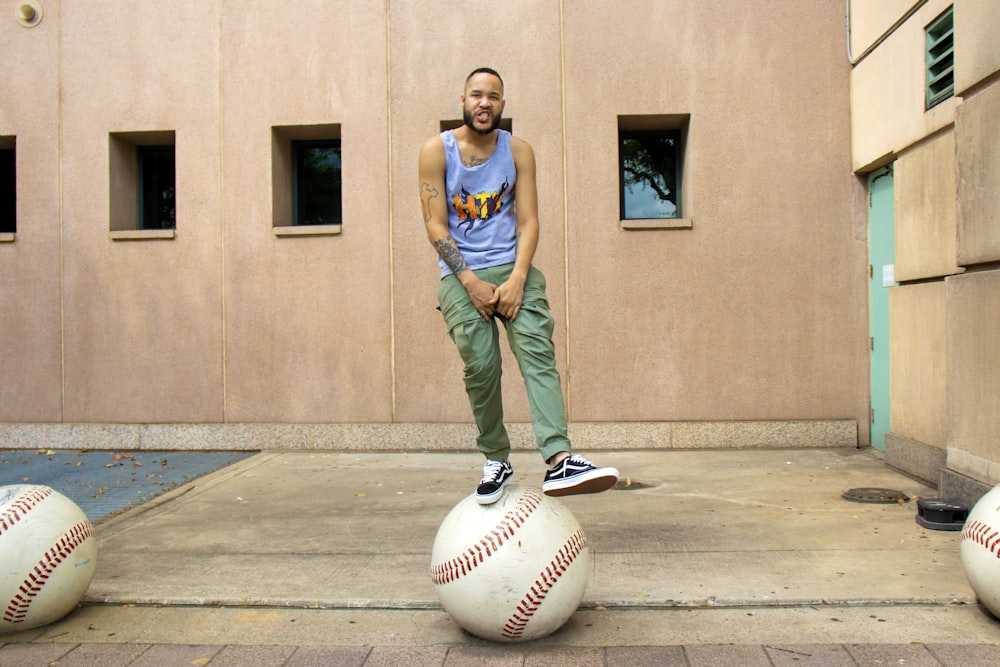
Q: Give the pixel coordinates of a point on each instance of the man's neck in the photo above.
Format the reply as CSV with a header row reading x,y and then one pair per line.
x,y
470,137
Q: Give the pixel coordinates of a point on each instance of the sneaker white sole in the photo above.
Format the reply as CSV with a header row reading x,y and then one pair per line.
x,y
592,481
491,498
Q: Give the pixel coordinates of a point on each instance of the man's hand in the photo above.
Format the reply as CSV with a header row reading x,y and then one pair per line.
x,y
508,297
481,293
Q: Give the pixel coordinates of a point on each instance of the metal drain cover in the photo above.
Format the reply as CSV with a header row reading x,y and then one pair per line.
x,y
875,495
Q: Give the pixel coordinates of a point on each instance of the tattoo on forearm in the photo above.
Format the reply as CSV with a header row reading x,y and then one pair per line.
x,y
448,252
427,193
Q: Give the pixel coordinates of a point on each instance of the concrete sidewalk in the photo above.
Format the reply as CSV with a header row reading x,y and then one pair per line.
x,y
708,557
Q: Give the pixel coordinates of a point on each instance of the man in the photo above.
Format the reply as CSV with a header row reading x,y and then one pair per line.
x,y
469,180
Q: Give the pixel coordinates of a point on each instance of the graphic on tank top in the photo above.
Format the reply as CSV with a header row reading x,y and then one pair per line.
x,y
477,208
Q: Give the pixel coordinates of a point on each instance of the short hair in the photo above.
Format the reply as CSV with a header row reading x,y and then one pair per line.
x,y
484,70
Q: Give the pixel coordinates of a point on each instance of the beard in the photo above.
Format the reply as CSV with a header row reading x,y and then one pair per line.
x,y
468,119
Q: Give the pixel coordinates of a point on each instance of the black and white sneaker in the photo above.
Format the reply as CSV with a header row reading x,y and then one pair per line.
x,y
576,475
496,474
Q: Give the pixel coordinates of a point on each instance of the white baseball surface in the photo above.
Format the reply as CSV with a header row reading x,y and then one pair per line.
x,y
980,550
512,571
48,554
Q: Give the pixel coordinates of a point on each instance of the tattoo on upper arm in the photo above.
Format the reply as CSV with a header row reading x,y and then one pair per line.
x,y
448,252
427,193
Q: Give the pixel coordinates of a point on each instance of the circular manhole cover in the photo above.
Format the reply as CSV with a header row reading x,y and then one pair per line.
x,y
875,495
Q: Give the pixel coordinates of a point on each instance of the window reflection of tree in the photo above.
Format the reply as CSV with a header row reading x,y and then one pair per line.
x,y
649,161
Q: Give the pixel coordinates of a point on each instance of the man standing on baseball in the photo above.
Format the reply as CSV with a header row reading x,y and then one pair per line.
x,y
470,179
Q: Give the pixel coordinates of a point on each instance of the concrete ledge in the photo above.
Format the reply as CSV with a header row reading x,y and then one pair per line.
x,y
769,434
973,466
956,486
923,461
425,437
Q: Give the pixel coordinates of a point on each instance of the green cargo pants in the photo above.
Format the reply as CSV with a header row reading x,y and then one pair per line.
x,y
530,339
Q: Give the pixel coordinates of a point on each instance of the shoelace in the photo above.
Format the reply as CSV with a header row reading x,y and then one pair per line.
x,y
491,470
579,460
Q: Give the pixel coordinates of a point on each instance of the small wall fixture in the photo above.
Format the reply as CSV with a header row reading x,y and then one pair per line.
x,y
29,14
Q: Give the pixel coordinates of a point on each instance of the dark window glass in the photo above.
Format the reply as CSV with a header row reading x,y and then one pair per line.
x,y
157,185
650,174
8,192
317,196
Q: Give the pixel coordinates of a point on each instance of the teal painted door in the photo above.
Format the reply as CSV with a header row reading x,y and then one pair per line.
x,y
881,272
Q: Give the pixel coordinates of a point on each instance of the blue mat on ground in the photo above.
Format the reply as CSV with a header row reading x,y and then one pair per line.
x,y
105,483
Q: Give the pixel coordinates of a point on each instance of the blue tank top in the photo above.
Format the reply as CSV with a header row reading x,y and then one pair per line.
x,y
481,217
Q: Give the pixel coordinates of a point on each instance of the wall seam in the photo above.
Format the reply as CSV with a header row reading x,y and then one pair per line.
x,y
62,228
222,223
390,201
568,386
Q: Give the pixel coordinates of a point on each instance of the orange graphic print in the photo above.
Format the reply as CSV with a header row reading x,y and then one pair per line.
x,y
481,206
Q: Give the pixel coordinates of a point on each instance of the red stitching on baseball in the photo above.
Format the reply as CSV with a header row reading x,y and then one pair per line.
x,y
462,564
983,535
547,578
17,608
13,513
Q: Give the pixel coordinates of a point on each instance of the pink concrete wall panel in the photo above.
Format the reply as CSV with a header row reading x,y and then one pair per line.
x,y
30,365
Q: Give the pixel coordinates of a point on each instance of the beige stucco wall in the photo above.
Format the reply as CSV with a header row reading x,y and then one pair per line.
x,y
143,320
869,19
30,266
918,362
974,375
715,320
925,210
978,124
977,58
944,314
308,335
755,312
974,299
887,87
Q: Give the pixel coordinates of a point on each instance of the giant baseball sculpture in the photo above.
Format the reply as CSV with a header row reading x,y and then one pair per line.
x,y
48,553
512,571
980,550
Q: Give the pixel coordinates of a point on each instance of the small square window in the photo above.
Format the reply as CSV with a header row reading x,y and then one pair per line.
x,y
650,174
316,199
306,180
143,185
8,186
940,39
157,187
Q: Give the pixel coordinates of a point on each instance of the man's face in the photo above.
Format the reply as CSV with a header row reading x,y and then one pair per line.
x,y
483,103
